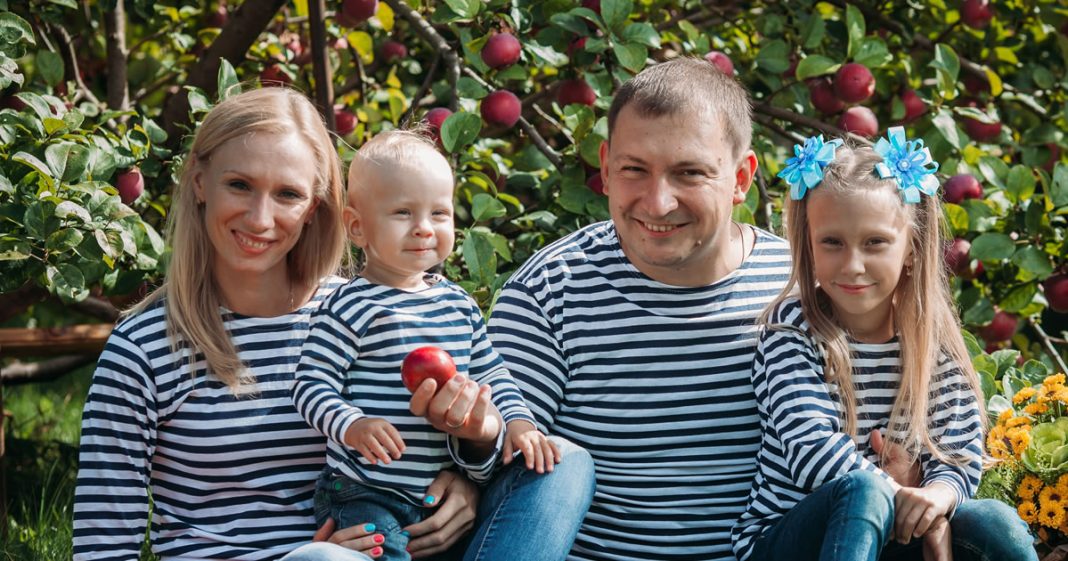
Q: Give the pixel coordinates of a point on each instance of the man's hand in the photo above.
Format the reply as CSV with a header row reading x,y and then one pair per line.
x,y
460,408
938,543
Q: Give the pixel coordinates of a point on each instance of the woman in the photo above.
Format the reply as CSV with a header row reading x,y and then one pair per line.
x,y
190,403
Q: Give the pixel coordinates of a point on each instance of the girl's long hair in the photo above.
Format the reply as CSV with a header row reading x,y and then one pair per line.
x,y
923,310
190,289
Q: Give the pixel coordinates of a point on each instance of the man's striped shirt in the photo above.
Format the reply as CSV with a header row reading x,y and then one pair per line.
x,y
654,380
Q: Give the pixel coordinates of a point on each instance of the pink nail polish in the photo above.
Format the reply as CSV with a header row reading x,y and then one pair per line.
x,y
376,551
379,538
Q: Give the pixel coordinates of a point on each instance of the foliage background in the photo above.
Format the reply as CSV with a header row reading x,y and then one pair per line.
x,y
93,88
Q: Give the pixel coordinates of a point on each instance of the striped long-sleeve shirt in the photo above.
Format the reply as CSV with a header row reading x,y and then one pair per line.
x,y
230,476
803,445
350,369
653,380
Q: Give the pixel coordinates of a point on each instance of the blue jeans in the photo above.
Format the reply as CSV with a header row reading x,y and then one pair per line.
x,y
530,516
351,503
851,519
323,551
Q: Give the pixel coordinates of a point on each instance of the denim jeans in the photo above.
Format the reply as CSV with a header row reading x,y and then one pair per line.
x,y
846,519
982,530
324,551
851,518
351,503
530,516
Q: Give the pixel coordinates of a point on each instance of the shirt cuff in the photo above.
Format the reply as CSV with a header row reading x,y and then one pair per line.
x,y
479,472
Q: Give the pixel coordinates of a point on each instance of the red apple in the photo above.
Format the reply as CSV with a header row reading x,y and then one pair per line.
x,y
976,13
1001,328
502,108
12,102
914,106
980,131
595,183
427,363
859,120
344,121
130,185
594,5
961,187
501,50
273,75
575,91
393,50
355,12
1054,157
975,85
578,45
219,17
434,118
1056,289
720,60
853,83
823,98
956,255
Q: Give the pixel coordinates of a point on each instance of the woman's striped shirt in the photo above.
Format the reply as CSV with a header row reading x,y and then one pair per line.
x,y
350,369
654,380
230,476
803,444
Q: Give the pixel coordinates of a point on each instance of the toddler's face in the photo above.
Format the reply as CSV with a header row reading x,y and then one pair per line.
x,y
405,221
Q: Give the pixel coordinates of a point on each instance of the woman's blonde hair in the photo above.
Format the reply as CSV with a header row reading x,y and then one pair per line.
x,y
190,289
922,301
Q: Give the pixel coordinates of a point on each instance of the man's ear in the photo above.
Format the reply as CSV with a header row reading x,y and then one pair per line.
x,y
353,225
604,166
743,176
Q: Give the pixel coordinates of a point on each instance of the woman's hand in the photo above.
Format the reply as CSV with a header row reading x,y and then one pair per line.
x,y
359,538
456,501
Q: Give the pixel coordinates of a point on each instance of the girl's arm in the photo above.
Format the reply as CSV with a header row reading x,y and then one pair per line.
x,y
955,426
115,455
801,414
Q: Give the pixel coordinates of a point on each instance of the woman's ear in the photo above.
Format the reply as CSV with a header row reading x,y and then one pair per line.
x,y
198,178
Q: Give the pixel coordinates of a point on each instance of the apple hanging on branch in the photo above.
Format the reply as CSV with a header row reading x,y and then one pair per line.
x,y
427,362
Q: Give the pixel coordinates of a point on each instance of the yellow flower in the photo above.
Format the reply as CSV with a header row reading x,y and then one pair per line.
x,y
1054,380
1050,496
1023,395
1029,487
1019,438
1018,421
1062,485
1028,512
1051,514
1036,408
1005,416
996,444
1061,395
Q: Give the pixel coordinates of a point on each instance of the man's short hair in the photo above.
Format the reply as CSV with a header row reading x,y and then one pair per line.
x,y
690,84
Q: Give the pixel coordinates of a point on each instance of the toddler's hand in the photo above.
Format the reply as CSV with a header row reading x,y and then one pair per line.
x,y
937,542
375,439
540,452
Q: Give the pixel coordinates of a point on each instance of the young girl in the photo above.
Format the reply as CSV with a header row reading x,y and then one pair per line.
x,y
864,339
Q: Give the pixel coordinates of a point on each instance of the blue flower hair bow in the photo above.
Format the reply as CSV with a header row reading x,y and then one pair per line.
x,y
908,162
804,171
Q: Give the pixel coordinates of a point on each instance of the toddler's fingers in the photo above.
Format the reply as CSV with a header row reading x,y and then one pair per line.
x,y
507,451
377,450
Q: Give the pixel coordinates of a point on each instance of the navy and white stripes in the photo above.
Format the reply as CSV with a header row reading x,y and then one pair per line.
x,y
654,380
803,445
230,477
350,369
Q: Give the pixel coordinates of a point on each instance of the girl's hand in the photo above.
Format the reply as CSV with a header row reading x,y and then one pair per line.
x,y
456,501
897,464
938,543
460,408
375,439
540,452
916,509
359,538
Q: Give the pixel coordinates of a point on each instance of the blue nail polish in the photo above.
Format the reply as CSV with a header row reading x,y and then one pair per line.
x,y
429,499
368,527
406,533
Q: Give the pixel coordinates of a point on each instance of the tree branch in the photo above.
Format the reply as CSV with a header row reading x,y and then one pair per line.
x,y
15,302
428,81
324,80
1048,344
431,35
44,371
115,26
241,31
71,61
97,308
764,200
806,121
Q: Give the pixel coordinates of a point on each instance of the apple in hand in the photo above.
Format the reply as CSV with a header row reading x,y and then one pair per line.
x,y
427,362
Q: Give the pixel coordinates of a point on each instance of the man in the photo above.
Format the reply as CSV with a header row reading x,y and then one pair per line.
x,y
634,338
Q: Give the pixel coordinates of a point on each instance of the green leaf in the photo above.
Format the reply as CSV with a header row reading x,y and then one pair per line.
x,y
50,66
1033,260
992,246
957,218
855,28
466,9
227,77
979,313
816,65
630,55
994,170
198,101
872,53
15,34
480,257
774,57
570,22
947,67
947,127
971,343
66,209
485,207
813,29
67,282
470,88
691,31
67,160
9,72
39,219
574,197
548,55
1059,186
1018,298
644,34
615,13
1034,371
459,130
64,239
1020,184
